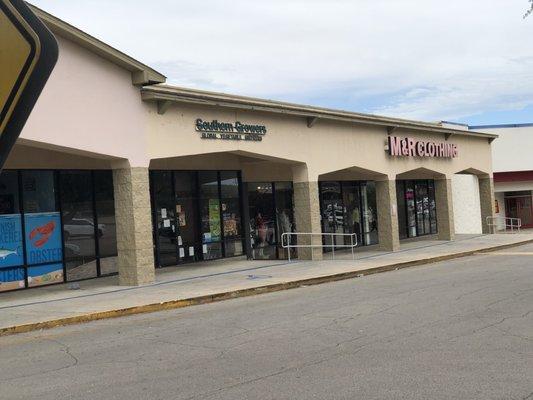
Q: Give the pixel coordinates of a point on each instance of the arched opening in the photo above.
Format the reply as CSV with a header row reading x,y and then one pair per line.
x,y
219,205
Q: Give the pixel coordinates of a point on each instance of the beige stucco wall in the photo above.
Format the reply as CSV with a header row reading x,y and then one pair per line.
x,y
90,104
326,147
466,205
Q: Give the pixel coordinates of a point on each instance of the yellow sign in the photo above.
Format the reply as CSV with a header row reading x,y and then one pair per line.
x,y
19,51
28,53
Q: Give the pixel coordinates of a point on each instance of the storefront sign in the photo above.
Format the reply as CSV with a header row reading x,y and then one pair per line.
x,y
230,131
409,147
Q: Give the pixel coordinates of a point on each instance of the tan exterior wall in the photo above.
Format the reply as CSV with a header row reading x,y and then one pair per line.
x,y
324,148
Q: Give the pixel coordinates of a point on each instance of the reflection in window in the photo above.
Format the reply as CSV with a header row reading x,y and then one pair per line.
x,y
284,215
42,226
105,215
231,213
11,250
262,220
368,199
78,224
210,215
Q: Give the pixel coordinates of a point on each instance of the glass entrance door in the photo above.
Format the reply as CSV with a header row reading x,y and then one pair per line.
x,y
332,212
520,207
189,247
262,220
165,235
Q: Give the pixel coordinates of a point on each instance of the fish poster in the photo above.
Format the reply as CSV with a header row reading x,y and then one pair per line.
x,y
11,279
11,253
43,238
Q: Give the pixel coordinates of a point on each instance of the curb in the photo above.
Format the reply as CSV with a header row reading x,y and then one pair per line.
x,y
276,287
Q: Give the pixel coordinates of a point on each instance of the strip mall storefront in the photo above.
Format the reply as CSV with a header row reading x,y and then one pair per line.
x,y
117,172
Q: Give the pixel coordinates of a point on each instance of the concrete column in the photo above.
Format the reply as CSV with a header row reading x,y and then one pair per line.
x,y
134,226
307,212
486,199
444,204
387,208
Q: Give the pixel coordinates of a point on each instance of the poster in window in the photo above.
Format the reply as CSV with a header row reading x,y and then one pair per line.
x,y
11,253
45,274
11,279
214,219
43,238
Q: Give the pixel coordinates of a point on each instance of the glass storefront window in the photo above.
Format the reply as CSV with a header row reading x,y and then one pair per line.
x,y
353,218
189,247
417,209
231,213
284,215
368,197
78,224
210,215
262,220
42,226
105,215
332,212
11,247
165,230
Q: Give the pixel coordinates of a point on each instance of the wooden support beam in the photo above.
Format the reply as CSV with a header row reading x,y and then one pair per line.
x,y
311,121
447,135
163,106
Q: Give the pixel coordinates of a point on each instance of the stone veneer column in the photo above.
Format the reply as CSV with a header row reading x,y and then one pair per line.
x,y
134,226
486,199
387,209
307,218
444,204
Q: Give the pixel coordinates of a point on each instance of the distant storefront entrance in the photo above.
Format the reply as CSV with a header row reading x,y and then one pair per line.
x,y
197,215
271,215
348,207
519,204
417,211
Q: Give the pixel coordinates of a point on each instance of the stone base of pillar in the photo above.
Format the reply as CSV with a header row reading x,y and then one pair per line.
x,y
387,209
134,226
444,204
486,199
307,218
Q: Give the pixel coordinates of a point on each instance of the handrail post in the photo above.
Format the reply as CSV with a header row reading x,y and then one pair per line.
x,y
332,247
351,242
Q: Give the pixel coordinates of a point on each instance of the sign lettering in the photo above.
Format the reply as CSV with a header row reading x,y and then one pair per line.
x,y
409,147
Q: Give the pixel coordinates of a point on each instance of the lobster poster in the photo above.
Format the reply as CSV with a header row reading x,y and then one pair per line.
x,y
43,246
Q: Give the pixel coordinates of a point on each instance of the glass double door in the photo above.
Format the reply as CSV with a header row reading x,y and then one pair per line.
x,y
520,207
196,215
271,215
417,211
348,207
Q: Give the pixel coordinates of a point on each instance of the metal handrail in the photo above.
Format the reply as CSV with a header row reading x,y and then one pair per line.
x,y
286,244
508,222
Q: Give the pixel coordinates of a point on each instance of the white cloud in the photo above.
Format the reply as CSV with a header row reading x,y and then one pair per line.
x,y
425,59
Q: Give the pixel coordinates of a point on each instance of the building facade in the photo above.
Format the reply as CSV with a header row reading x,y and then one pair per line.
x,y
513,171
117,172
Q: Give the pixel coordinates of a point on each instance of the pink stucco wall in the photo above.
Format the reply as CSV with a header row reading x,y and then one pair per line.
x,y
90,104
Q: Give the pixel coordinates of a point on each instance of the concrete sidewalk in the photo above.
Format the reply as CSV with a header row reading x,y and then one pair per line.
x,y
218,280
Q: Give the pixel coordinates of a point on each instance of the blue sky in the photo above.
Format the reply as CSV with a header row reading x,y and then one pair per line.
x,y
465,61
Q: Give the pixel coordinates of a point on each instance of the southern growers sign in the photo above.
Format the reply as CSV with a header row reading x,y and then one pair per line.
x,y
230,131
410,147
